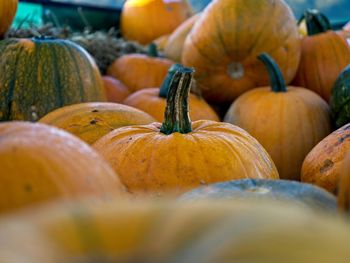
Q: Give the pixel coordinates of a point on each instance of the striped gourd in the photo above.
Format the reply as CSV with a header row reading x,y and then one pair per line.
x,y
40,74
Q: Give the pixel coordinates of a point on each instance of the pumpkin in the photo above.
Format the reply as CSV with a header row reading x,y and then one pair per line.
x,y
324,55
139,71
344,184
39,75
340,99
161,41
287,121
41,163
227,38
153,101
174,45
91,121
146,20
8,10
115,90
299,193
322,165
170,158
159,232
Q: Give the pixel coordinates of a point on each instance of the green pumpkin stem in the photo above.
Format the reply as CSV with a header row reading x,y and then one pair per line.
x,y
276,78
176,117
163,92
316,22
153,50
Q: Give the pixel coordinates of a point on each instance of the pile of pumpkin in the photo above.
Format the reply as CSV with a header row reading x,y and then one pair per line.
x,y
234,100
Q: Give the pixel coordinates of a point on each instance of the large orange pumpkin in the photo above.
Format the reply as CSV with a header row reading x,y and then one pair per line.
x,y
153,101
91,121
40,163
224,44
287,121
7,13
322,165
146,20
178,155
139,71
324,56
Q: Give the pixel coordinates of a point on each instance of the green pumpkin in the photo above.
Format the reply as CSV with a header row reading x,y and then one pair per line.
x,y
340,100
39,75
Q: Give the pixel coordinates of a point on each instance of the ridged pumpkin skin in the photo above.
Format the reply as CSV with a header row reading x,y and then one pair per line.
x,y
8,10
148,100
42,163
227,38
39,75
146,20
305,195
243,231
322,165
91,121
340,99
174,45
138,71
115,90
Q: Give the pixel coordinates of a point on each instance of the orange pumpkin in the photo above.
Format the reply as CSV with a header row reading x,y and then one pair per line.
x,y
146,20
153,101
287,121
178,155
324,56
7,13
174,45
116,91
344,184
139,71
91,121
322,165
40,163
224,44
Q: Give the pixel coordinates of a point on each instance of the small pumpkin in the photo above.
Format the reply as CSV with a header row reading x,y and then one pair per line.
x,y
39,75
140,71
227,38
322,165
340,99
324,55
174,45
146,20
287,121
91,121
299,193
42,163
8,10
173,157
153,101
115,90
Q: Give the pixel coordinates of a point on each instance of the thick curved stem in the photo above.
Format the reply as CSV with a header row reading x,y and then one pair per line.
x,y
176,117
316,22
163,91
277,82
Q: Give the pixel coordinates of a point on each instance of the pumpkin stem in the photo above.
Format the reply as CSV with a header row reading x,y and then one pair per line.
x,y
153,50
316,22
176,117
276,78
163,92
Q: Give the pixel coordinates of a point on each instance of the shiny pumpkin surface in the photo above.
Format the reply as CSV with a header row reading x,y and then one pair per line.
x,y
236,231
139,71
39,75
153,163
148,100
287,124
146,20
91,121
41,163
7,13
225,41
322,165
324,56
115,90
